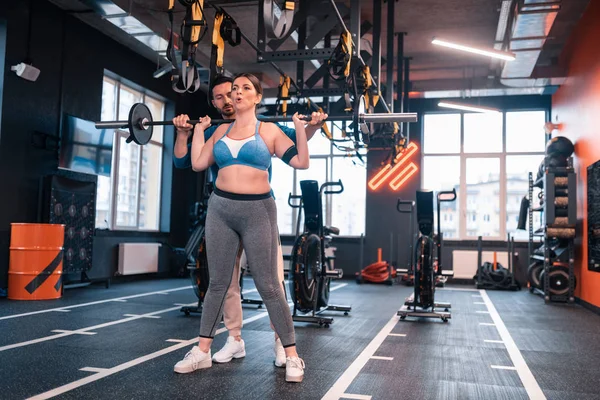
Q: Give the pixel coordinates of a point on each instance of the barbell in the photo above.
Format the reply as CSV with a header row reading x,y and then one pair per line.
x,y
140,123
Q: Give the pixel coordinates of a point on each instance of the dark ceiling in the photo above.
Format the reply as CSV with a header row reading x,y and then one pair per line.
x,y
537,36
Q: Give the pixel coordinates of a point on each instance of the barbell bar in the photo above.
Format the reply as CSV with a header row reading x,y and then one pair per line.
x,y
140,122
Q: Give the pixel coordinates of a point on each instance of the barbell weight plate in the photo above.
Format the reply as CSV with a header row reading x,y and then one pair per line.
x,y
138,132
362,109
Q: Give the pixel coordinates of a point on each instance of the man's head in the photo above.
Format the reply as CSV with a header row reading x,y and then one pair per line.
x,y
221,96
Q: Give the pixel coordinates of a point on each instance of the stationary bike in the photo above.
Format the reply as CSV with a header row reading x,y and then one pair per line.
x,y
311,271
427,268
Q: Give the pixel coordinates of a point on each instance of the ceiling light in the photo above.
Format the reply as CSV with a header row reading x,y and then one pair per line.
x,y
467,107
490,53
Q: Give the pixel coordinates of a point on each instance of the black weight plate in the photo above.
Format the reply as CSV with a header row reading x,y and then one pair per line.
x,y
533,274
137,132
558,280
200,276
305,271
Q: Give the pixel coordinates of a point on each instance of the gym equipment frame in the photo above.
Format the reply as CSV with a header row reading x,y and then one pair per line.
x,y
422,302
311,270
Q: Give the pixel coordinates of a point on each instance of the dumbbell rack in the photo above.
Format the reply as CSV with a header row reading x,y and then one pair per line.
x,y
559,217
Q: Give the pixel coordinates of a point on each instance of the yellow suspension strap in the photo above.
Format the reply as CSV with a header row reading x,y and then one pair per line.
x,y
283,95
193,29
218,46
324,127
225,29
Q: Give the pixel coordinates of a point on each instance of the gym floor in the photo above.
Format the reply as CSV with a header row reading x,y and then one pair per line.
x,y
122,342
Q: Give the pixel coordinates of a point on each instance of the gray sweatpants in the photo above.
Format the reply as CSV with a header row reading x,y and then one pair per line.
x,y
252,219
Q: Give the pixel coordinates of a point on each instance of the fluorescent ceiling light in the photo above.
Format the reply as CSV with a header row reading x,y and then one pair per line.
x,y
490,53
466,107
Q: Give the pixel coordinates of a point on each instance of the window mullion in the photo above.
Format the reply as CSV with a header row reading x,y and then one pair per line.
x,y
139,187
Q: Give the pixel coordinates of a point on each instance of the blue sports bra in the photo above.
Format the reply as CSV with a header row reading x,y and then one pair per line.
x,y
251,151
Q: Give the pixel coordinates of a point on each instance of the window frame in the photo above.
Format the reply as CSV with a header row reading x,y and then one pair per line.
x,y
463,232
116,152
327,199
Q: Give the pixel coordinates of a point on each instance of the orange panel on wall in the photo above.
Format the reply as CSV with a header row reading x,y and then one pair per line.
x,y
576,106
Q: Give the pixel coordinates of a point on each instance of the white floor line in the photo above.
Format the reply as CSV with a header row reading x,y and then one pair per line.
x,y
531,386
93,303
482,312
84,330
507,367
92,369
382,358
355,396
486,324
175,340
74,332
111,371
458,289
493,341
339,387
141,316
397,334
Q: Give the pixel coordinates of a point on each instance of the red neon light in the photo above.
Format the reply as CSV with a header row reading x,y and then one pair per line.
x,y
403,176
388,170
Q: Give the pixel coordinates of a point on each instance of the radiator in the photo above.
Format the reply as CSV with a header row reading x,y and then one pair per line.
x,y
464,262
138,258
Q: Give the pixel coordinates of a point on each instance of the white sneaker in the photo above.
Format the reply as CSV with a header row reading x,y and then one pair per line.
x,y
279,354
294,369
232,349
193,360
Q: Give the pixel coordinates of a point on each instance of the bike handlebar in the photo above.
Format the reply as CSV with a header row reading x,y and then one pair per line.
x,y
403,203
442,193
327,184
293,197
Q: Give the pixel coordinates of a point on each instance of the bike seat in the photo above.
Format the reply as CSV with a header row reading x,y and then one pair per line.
x,y
331,230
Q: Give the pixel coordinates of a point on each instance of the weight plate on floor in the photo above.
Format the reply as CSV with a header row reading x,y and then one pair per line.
x,y
141,134
533,274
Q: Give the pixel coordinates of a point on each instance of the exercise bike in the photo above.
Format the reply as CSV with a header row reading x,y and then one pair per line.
x,y
311,269
427,267
197,263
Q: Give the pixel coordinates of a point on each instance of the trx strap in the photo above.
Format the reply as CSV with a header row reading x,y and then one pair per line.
x,y
279,29
224,29
324,127
193,29
341,58
283,95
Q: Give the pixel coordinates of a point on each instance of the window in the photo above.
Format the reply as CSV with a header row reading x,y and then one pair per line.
x,y
486,157
130,198
346,210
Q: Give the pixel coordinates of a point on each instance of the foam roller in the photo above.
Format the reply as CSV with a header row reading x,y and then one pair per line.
x,y
561,233
561,182
561,201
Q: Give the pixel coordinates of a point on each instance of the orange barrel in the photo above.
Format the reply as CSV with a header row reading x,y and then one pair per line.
x,y
36,261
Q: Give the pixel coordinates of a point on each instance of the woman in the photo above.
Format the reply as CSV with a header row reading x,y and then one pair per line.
x,y
241,208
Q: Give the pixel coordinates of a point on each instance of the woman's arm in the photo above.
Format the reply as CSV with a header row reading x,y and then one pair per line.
x,y
294,155
202,152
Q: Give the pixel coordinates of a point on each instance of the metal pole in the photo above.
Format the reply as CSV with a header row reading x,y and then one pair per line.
x,y
399,73
406,105
376,61
389,91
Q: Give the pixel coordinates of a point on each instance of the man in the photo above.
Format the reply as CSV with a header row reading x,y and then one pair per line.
x,y
232,309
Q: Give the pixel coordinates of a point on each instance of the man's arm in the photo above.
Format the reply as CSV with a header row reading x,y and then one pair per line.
x,y
183,159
